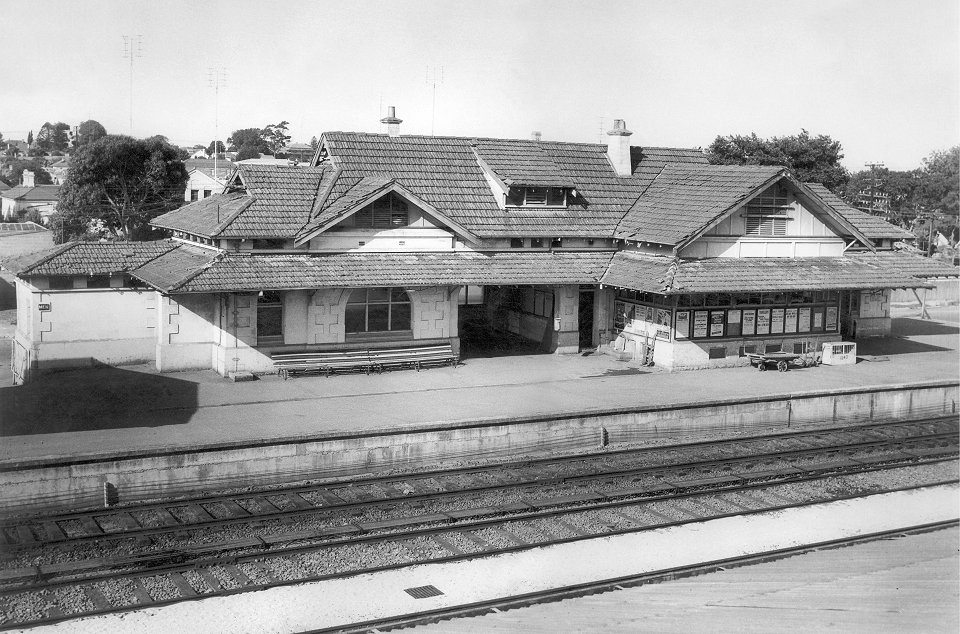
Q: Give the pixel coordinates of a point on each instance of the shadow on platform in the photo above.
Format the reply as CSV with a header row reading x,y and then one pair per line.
x,y
102,398
892,345
914,327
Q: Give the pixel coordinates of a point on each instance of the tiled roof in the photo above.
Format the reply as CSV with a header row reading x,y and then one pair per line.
x,y
521,163
682,199
39,192
777,274
236,272
651,274
444,172
913,264
206,217
869,225
88,258
283,197
360,192
176,266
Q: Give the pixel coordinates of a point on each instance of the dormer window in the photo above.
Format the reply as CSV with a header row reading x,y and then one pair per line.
x,y
537,197
384,213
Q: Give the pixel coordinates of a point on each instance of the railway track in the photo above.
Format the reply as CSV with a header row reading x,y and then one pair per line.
x,y
597,497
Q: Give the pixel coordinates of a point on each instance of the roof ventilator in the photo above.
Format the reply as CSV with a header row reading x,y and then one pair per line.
x,y
393,124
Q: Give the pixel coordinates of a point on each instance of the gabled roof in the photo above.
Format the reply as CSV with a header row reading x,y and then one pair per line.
x,y
36,193
871,226
913,264
242,272
521,163
88,258
176,266
206,217
683,199
445,172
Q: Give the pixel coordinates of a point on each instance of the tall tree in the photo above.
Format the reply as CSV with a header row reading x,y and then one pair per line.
x,y
811,159
216,147
59,139
30,137
246,136
88,132
276,136
122,182
940,182
45,137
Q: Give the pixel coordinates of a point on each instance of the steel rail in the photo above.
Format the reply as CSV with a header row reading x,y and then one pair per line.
x,y
213,522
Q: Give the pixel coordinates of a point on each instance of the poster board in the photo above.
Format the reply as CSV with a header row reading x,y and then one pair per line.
x,y
831,320
776,321
733,323
790,320
682,330
700,323
763,321
804,320
716,323
749,322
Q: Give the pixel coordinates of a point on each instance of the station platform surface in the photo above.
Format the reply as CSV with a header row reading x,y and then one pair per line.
x,y
104,412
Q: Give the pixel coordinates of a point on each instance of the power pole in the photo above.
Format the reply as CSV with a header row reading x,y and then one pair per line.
x,y
216,78
872,206
132,47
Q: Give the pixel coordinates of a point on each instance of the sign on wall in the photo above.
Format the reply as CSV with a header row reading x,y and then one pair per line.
x,y
716,323
683,324
43,307
790,320
700,323
831,318
804,325
733,323
776,321
763,321
749,322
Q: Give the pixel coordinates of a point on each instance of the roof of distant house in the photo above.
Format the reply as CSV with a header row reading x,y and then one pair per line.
x,y
35,193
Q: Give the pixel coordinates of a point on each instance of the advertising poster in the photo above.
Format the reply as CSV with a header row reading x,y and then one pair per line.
x,y
716,323
763,321
700,323
776,321
831,318
818,319
663,324
790,320
683,324
733,323
749,322
804,325
646,313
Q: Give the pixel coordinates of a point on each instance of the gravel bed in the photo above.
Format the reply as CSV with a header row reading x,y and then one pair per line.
x,y
217,510
225,578
24,607
71,600
118,591
254,506
641,518
255,571
109,523
426,548
528,532
160,588
461,542
616,521
183,515
663,508
148,518
359,493
586,521
704,507
72,528
493,538
282,502
286,568
196,582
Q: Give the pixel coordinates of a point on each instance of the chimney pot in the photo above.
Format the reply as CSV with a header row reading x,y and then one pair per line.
x,y
393,124
27,178
618,148
535,135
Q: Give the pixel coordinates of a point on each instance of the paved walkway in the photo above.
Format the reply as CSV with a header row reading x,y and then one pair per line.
x,y
96,412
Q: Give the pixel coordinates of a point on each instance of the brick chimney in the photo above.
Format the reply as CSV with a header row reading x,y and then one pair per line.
x,y
618,148
393,124
27,179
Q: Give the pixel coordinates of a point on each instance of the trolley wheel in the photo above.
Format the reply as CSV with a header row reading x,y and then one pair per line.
x,y
762,366
782,366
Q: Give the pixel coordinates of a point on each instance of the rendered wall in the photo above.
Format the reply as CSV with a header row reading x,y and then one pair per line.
x,y
54,485
186,331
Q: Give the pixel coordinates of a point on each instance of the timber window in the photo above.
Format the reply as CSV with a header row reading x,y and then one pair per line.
x,y
194,195
537,197
470,295
377,310
269,318
387,212
766,215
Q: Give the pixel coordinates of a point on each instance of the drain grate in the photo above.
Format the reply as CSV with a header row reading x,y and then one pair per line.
x,y
423,592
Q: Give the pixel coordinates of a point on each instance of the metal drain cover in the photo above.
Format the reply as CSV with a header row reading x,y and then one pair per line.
x,y
423,592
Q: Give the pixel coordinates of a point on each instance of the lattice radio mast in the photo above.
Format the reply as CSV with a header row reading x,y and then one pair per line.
x,y
216,79
434,77
132,48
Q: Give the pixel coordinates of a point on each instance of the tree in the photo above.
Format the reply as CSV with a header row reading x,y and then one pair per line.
x,y
900,187
940,182
811,159
13,168
122,182
246,136
45,137
314,143
88,132
216,147
276,136
60,140
30,137
248,151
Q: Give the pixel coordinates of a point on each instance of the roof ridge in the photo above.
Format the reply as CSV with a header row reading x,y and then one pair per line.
x,y
56,251
191,275
226,222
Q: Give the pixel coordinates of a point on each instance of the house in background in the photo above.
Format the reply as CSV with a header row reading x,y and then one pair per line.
x,y
206,177
16,202
389,240
58,171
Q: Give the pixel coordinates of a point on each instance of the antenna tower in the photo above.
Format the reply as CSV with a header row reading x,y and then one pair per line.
x,y
132,48
434,77
216,79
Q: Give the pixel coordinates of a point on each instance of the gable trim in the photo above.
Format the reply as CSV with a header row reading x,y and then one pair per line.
x,y
388,187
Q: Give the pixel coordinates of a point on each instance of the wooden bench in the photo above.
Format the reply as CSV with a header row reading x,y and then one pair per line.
x,y
322,362
327,363
418,357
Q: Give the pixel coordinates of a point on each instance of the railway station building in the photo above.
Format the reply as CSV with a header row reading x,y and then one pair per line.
x,y
389,240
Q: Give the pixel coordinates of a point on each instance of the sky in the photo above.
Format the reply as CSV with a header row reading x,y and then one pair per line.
x,y
880,76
